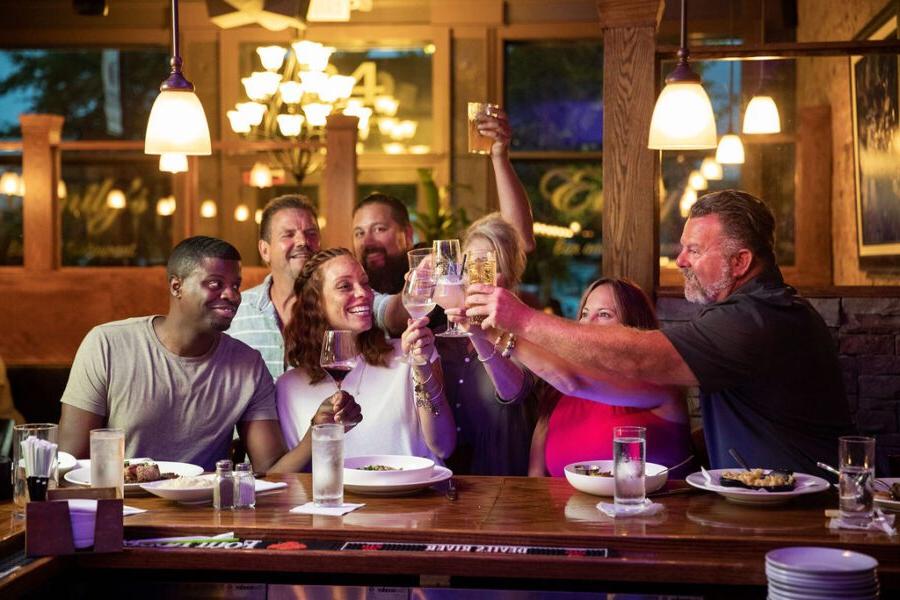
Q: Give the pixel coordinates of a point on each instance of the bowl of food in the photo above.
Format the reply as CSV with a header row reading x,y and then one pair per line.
x,y
197,488
385,469
596,477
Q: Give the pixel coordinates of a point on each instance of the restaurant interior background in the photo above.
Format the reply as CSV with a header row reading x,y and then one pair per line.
x,y
85,229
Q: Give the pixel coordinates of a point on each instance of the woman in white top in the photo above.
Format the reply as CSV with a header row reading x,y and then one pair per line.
x,y
333,293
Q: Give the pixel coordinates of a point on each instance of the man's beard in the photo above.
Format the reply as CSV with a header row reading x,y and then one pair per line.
x,y
695,292
388,279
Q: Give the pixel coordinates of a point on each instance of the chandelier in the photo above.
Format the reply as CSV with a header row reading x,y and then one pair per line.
x,y
292,97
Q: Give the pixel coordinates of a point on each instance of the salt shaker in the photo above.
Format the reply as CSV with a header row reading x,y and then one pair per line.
x,y
244,486
223,490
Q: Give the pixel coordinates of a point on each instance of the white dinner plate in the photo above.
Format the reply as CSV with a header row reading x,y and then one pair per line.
x,y
884,502
805,484
65,462
82,476
438,474
200,495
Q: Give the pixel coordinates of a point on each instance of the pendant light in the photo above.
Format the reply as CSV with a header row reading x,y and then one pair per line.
x,y
761,115
177,123
683,117
731,149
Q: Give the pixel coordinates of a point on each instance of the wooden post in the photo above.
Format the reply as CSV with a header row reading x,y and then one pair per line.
x,y
339,181
40,169
812,206
630,169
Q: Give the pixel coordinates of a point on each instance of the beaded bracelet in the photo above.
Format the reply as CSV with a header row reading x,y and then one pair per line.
x,y
430,377
510,346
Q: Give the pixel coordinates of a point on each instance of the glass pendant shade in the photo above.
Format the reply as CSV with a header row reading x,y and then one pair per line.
x,y
316,113
697,181
761,116
711,169
290,125
253,112
682,118
239,121
291,92
271,57
730,150
173,163
177,124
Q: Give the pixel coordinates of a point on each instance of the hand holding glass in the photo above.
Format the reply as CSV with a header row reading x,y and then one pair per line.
x,y
480,144
339,354
418,291
481,267
449,291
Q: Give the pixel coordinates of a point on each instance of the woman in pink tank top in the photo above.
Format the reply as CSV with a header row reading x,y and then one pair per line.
x,y
576,419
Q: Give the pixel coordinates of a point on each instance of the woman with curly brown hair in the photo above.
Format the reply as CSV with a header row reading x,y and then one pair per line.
x,y
404,407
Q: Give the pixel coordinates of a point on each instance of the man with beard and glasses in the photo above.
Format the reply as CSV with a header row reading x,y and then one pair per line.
x,y
767,367
176,384
288,236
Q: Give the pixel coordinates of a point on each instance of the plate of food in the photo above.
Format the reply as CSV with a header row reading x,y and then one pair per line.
x,y
138,472
888,498
596,477
386,469
436,475
757,486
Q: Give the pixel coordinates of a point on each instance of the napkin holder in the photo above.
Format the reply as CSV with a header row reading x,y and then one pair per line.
x,y
48,525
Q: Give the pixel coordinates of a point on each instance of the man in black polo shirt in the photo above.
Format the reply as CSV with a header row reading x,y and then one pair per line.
x,y
770,382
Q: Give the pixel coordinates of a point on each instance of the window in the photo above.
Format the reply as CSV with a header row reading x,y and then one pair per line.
x,y
557,138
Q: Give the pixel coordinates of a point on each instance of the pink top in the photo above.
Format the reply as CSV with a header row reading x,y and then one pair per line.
x,y
583,430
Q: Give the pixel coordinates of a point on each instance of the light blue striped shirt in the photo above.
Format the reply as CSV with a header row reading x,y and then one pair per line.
x,y
257,324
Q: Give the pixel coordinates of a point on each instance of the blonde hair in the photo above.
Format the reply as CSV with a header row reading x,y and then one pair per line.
x,y
506,242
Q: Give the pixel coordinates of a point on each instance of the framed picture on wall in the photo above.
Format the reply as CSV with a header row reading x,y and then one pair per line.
x,y
875,92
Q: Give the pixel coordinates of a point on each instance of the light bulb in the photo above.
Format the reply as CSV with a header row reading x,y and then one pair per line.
x,y
290,125
291,92
405,130
386,125
394,148
208,209
761,116
386,105
730,150
173,163
241,213
271,57
165,207
697,181
711,169
261,176
115,199
682,118
688,199
9,183
61,190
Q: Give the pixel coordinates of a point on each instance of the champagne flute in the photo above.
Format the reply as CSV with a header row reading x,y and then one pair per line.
x,y
339,354
418,290
449,291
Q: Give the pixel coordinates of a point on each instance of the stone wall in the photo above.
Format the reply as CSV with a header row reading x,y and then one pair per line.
x,y
866,333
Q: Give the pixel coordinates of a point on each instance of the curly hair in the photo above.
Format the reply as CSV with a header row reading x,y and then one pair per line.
x,y
303,333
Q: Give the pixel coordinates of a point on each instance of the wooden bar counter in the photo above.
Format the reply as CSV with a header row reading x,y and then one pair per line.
x,y
699,540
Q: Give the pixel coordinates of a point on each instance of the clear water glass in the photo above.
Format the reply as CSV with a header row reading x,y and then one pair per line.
x,y
108,459
857,467
629,460
328,464
42,431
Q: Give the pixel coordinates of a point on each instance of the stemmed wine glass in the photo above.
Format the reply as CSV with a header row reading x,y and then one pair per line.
x,y
418,290
339,354
449,291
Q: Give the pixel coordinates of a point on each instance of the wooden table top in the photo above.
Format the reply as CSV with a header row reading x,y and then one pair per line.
x,y
700,537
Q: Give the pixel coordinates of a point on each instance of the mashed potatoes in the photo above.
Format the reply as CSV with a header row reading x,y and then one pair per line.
x,y
183,483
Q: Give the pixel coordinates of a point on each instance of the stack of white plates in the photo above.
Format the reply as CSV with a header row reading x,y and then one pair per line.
x,y
809,573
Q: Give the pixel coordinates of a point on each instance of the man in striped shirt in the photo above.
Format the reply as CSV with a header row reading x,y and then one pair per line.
x,y
288,236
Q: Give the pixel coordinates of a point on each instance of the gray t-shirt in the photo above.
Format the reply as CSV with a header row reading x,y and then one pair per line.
x,y
171,407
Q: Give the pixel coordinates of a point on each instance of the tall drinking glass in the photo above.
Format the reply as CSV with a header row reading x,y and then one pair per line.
x,y
449,291
108,459
418,290
339,354
41,431
857,458
481,267
629,457
480,144
328,464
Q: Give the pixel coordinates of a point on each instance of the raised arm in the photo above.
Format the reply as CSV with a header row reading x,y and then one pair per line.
x,y
514,206
609,349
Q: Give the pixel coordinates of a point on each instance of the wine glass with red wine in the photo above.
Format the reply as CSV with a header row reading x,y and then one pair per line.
x,y
339,354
